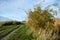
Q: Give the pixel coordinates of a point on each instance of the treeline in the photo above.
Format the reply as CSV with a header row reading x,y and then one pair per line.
x,y
11,23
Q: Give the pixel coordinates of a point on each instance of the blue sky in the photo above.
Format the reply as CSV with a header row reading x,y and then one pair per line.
x,y
15,9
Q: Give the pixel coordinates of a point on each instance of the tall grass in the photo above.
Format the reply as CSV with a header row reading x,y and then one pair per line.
x,y
22,33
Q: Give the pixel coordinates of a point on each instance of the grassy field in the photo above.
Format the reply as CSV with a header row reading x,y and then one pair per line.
x,y
4,30
22,33
15,32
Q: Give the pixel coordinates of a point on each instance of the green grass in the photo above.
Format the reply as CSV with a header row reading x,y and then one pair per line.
x,y
1,23
23,33
4,30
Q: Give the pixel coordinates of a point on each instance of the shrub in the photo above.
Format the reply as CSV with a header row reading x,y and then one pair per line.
x,y
42,23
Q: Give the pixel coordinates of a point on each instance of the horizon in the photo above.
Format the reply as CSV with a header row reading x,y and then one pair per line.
x,y
15,9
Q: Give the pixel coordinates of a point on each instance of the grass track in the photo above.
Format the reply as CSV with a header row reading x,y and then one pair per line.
x,y
5,30
22,33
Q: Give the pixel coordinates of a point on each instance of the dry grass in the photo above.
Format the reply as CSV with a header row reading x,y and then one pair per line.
x,y
57,23
42,35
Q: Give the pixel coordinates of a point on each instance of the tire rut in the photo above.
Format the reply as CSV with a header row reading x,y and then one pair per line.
x,y
9,33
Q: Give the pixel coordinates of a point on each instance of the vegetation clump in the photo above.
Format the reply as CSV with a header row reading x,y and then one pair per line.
x,y
42,23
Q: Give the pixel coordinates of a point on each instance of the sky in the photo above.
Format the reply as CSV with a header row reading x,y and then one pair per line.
x,y
16,9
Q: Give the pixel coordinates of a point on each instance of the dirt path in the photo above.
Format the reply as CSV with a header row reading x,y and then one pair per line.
x,y
4,38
